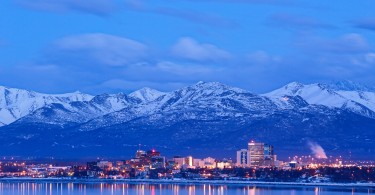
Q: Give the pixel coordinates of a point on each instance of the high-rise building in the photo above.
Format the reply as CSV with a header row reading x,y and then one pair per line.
x,y
268,150
189,161
243,158
256,151
269,157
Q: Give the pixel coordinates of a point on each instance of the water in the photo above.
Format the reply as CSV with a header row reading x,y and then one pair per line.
x,y
31,188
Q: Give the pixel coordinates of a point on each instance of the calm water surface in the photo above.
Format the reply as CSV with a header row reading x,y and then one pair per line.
x,y
27,188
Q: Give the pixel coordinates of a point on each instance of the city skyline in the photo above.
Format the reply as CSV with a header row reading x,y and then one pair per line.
x,y
187,97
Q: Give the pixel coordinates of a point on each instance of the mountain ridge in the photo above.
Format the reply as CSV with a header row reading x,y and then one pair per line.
x,y
206,114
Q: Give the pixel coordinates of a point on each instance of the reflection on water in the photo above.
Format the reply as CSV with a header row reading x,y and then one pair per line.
x,y
29,188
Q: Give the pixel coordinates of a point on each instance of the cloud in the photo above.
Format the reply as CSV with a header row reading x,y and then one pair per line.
x,y
348,43
365,23
285,20
121,84
370,57
162,75
279,3
185,14
365,60
181,69
188,48
198,17
97,7
262,58
320,59
169,71
270,2
99,63
103,48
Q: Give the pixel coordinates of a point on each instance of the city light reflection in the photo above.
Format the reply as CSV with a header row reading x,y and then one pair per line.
x,y
31,188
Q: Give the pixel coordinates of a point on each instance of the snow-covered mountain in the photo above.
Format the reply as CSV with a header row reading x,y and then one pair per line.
x,y
200,101
17,103
216,97
361,102
347,85
196,101
77,112
146,94
205,116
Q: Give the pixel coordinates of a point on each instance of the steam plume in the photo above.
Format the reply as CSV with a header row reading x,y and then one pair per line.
x,y
317,150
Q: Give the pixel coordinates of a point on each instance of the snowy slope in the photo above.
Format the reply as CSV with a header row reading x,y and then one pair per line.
x,y
200,117
320,94
350,86
146,94
80,111
219,98
204,101
366,99
16,103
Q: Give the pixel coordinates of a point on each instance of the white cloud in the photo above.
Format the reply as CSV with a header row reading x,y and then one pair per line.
x,y
354,41
262,57
370,58
190,49
346,44
365,60
130,86
98,7
107,49
179,69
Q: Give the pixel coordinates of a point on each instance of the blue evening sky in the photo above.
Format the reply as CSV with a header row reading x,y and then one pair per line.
x,y
97,46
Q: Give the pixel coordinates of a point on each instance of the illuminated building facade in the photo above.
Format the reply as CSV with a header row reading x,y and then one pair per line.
x,y
189,161
256,151
269,156
243,158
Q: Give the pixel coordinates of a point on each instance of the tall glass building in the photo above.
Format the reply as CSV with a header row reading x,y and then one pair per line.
x,y
256,151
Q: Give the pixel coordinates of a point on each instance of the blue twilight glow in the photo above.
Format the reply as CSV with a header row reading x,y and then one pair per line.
x,y
100,46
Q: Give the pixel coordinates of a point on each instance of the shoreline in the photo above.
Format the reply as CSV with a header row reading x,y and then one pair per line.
x,y
186,182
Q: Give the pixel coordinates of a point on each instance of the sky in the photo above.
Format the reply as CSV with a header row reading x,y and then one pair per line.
x,y
109,46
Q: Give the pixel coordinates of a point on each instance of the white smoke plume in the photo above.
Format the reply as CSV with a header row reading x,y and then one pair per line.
x,y
317,150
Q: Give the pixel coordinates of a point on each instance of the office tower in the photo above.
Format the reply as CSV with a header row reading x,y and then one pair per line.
x,y
269,157
256,151
243,158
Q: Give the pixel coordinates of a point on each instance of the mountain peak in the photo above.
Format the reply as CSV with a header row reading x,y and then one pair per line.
x,y
146,94
200,83
289,89
293,86
213,83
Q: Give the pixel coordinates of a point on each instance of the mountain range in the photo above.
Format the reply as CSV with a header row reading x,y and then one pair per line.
x,y
205,119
